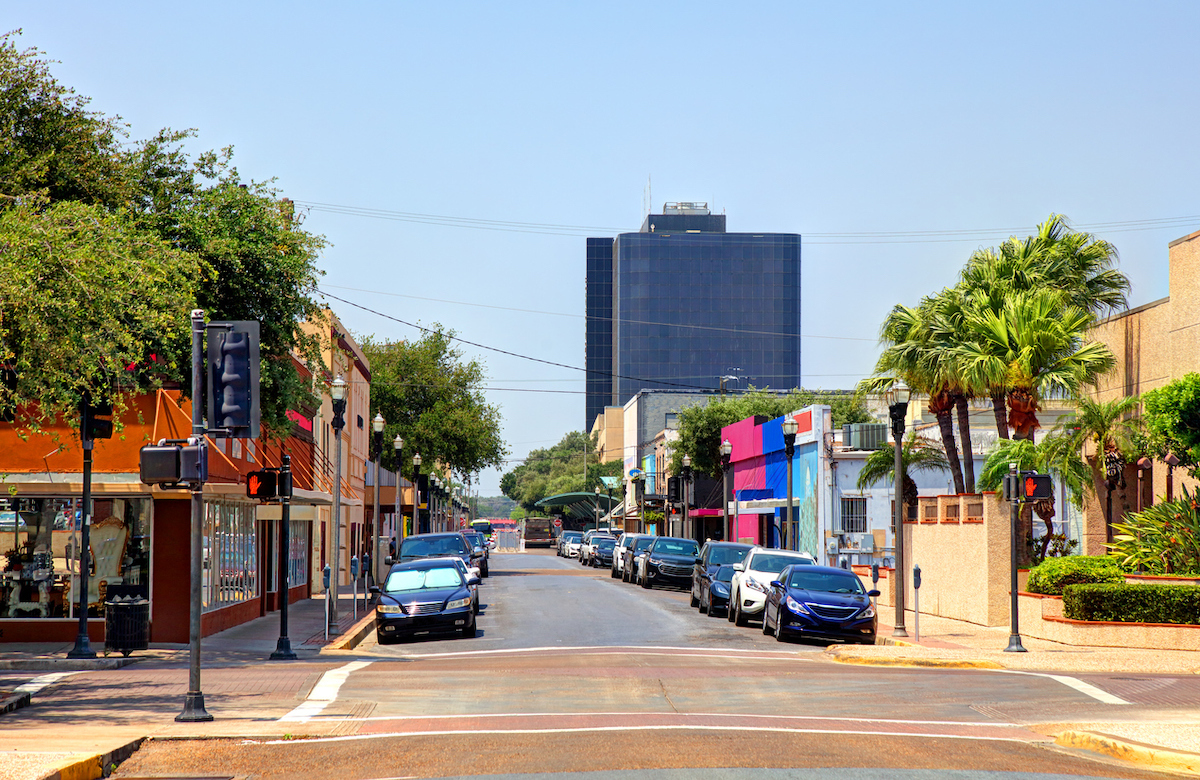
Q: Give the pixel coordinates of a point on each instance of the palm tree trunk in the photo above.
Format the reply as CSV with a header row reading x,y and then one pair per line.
x,y
1000,409
946,426
964,435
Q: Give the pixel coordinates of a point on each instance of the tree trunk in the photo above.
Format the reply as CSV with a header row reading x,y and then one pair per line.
x,y
1022,413
946,426
1000,409
1045,510
964,435
1025,536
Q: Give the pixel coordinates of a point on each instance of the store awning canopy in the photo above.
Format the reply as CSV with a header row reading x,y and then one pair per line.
x,y
580,505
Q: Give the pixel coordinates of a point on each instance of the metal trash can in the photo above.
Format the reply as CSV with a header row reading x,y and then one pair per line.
x,y
126,624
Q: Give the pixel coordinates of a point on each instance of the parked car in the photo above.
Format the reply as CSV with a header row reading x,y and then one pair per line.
x,y
714,555
623,543
565,541
588,544
715,597
821,602
462,568
602,552
440,545
478,540
669,561
573,545
424,597
633,556
751,583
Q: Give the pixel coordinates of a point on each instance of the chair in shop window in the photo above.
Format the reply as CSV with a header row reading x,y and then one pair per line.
x,y
32,594
108,540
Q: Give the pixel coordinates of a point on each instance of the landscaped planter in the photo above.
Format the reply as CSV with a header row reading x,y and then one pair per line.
x,y
1041,617
1161,579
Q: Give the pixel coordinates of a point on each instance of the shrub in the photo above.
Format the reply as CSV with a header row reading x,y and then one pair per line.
x,y
1053,574
1133,603
1161,539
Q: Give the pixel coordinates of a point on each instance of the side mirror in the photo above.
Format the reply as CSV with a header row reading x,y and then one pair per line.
x,y
739,567
873,594
473,580
776,584
478,551
698,560
388,561
374,590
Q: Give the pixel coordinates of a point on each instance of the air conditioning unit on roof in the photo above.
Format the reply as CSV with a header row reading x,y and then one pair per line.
x,y
865,436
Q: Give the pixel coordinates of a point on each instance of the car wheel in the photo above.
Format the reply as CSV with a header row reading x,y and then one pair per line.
x,y
704,608
471,630
766,626
779,637
647,583
613,572
733,599
695,601
483,570
739,617
712,611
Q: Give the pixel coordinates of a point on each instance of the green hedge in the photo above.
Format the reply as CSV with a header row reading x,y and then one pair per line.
x,y
1053,574
1133,603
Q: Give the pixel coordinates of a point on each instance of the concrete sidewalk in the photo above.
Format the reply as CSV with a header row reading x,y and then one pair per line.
x,y
943,643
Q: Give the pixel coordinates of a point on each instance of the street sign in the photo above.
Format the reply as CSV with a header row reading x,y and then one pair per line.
x,y
635,473
558,522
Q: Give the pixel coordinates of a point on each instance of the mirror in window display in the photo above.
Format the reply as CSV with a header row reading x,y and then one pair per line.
x,y
41,538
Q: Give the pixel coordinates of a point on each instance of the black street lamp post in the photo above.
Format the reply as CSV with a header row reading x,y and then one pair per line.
x,y
337,392
398,525
685,482
726,453
597,506
897,400
792,531
376,521
283,646
416,463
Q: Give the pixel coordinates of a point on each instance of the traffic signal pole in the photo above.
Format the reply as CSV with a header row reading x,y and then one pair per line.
x,y
283,646
83,648
193,703
1013,491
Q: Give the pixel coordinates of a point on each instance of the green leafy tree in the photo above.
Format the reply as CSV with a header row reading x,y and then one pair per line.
x,y
1109,427
700,426
559,469
1171,415
916,454
433,398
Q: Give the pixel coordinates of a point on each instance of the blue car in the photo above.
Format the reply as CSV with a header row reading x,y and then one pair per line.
x,y
820,602
431,596
715,597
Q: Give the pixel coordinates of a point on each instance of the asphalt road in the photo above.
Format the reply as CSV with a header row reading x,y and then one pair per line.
x,y
576,672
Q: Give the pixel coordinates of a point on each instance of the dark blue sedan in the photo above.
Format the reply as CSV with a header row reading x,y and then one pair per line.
x,y
820,602
715,598
431,596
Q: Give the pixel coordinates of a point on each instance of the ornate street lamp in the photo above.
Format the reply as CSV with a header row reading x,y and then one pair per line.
x,y
597,489
897,401
792,531
416,462
726,453
398,525
686,481
377,522
337,392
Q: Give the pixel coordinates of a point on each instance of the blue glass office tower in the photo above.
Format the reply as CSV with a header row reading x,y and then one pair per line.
x,y
682,302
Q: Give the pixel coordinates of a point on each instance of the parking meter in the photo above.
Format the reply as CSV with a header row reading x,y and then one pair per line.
x,y
916,577
354,567
325,577
874,573
917,603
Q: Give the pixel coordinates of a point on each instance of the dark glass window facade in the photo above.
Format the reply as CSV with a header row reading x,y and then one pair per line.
x,y
691,306
598,347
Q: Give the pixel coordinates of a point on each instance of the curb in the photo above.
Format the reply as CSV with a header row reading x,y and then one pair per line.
x,y
66,664
14,701
94,766
357,633
1133,752
931,663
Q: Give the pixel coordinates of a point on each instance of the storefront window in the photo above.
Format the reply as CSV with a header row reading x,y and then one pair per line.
x,y
41,539
230,573
298,554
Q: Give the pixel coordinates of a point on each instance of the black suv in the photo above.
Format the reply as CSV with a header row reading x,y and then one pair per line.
x,y
669,561
713,556
443,545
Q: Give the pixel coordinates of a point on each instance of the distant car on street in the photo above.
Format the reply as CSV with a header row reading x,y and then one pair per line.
x,y
713,556
669,561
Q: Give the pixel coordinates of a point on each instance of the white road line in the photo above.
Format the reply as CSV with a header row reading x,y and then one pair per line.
x,y
598,729
1079,685
38,683
714,652
639,714
323,693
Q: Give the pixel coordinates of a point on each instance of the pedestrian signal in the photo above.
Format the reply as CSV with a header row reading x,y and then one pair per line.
x,y
1036,487
262,484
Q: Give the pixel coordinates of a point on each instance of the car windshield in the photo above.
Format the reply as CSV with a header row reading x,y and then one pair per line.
x,y
825,581
676,547
606,544
642,544
769,563
408,580
724,574
474,538
723,555
416,547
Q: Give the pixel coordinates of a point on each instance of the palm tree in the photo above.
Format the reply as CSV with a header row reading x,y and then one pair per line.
x,y
946,331
911,355
1033,345
1107,425
1056,454
917,454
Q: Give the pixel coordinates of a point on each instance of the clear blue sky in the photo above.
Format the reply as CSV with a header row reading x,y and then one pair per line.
x,y
792,117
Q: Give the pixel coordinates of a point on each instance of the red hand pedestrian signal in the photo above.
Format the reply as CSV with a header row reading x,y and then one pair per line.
x,y
262,484
1036,487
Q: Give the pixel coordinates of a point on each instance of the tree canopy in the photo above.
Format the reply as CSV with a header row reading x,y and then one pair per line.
x,y
121,240
432,398
1171,415
559,469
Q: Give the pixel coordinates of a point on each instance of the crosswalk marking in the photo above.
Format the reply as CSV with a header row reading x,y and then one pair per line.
x,y
324,692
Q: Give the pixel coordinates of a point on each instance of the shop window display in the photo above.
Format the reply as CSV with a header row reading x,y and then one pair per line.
x,y
230,573
41,538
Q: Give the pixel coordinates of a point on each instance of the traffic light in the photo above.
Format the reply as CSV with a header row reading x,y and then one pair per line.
x,y
233,383
92,424
673,489
263,485
1035,486
174,462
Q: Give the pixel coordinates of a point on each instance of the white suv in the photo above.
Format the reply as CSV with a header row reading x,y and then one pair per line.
x,y
625,542
752,580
